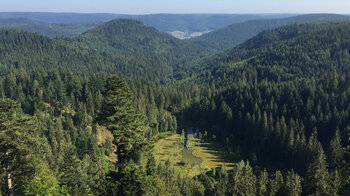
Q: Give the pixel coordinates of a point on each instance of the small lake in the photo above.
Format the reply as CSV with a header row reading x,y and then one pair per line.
x,y
186,154
190,132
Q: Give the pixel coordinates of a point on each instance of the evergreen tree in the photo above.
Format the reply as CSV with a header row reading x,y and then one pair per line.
x,y
19,145
72,174
44,183
335,183
151,165
262,183
292,185
243,180
275,184
335,152
317,176
129,132
131,180
126,125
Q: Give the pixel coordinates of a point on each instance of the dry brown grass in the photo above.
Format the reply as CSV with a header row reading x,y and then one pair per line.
x,y
103,134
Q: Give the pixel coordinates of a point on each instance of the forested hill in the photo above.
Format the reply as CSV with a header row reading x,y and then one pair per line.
x,y
281,100
22,50
237,33
285,53
116,50
131,37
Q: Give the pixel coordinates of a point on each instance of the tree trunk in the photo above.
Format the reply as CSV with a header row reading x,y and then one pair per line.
x,y
9,191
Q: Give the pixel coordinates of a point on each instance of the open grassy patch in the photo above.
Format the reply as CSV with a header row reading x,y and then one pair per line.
x,y
198,158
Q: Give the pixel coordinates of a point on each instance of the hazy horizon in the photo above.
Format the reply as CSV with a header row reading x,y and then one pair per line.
x,y
140,7
170,13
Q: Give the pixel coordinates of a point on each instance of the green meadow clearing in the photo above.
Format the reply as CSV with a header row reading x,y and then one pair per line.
x,y
199,157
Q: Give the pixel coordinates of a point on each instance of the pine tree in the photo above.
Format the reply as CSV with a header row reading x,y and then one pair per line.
x,y
131,179
151,165
129,130
127,126
317,176
275,184
262,183
335,152
18,146
335,183
44,183
209,184
72,174
243,180
292,185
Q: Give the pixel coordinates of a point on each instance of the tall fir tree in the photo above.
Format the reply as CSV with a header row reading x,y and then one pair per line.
x,y
317,176
243,181
127,126
129,131
19,146
335,151
292,186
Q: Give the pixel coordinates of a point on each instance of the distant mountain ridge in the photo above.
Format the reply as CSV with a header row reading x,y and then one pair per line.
x,y
51,17
237,33
47,29
18,21
186,23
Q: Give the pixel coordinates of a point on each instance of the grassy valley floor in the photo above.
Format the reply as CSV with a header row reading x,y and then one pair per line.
x,y
199,157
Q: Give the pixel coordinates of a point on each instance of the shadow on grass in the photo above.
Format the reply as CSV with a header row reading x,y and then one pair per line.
x,y
221,153
188,157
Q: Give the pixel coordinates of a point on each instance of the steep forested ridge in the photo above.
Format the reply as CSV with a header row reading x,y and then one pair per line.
x,y
237,33
45,60
124,37
285,53
29,51
279,102
131,37
158,59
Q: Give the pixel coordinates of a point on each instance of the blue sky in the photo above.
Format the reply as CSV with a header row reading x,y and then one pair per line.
x,y
178,6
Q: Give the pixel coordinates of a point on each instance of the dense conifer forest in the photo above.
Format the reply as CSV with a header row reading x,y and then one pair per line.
x,y
81,115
